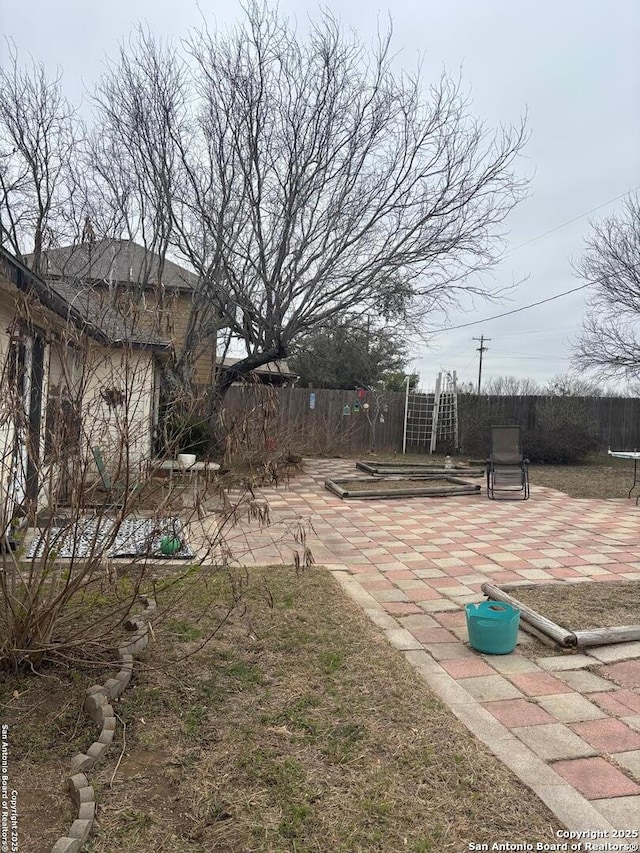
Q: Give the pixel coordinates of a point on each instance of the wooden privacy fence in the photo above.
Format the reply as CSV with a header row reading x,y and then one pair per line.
x,y
318,421
304,420
615,421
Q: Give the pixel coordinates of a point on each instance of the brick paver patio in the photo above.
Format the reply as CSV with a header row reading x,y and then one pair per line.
x,y
413,564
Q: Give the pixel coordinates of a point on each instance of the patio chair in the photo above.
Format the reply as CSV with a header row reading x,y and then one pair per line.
x,y
507,469
115,491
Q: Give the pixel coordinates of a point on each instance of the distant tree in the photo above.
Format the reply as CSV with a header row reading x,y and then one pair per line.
x,y
348,354
572,385
609,342
511,386
396,380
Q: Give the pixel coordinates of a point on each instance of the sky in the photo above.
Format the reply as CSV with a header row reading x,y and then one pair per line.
x,y
573,66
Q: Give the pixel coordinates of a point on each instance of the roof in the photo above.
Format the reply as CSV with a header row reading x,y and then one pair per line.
x,y
98,311
271,368
115,261
84,306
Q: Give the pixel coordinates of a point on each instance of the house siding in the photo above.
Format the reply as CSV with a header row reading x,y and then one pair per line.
x,y
122,430
7,429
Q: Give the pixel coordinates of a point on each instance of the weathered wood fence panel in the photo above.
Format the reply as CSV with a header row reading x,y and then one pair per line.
x,y
615,420
284,417
287,418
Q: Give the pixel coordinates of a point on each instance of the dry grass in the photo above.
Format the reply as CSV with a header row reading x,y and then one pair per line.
x,y
603,477
297,729
46,728
582,606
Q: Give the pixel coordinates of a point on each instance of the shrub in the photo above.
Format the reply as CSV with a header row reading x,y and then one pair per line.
x,y
563,433
188,434
559,429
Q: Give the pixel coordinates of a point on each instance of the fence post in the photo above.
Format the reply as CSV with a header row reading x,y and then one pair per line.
x,y
436,413
406,416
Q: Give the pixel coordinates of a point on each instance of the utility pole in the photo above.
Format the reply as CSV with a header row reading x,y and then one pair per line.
x,y
482,348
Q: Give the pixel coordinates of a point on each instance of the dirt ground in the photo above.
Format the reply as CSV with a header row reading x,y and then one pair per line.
x,y
600,477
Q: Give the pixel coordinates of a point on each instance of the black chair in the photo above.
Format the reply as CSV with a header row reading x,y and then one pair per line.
x,y
507,469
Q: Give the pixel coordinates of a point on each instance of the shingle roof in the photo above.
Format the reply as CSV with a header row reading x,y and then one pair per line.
x,y
272,368
121,261
97,310
84,306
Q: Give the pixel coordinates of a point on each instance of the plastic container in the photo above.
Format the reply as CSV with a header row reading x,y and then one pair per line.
x,y
493,627
186,460
170,545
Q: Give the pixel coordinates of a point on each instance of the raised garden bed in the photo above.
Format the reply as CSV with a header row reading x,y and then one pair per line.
x,y
442,486
425,470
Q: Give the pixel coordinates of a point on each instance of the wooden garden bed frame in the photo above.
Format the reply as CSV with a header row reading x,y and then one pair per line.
x,y
455,486
426,470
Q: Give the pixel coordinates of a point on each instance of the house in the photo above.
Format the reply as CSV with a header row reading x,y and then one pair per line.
x,y
159,294
76,373
272,373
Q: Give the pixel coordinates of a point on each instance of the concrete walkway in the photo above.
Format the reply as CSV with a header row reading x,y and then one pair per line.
x,y
568,726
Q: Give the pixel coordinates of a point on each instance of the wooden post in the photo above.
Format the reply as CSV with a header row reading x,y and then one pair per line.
x,y
436,414
546,626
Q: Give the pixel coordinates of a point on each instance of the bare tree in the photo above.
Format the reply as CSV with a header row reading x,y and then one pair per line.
x,y
37,146
310,180
511,386
139,117
572,384
609,342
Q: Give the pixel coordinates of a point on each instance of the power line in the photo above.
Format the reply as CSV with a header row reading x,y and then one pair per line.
x,y
514,310
570,221
533,240
515,357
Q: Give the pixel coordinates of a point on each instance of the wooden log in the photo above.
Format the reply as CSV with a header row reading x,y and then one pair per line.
x,y
604,636
546,626
543,638
507,587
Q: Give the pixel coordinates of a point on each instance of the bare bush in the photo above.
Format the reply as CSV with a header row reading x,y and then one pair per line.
x,y
64,591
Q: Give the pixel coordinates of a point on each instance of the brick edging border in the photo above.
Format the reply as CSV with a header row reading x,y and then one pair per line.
x,y
98,705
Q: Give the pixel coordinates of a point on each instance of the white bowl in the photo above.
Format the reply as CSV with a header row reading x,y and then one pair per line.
x,y
186,460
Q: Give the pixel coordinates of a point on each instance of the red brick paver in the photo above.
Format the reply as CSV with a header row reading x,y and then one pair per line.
x,y
518,712
538,683
626,673
595,778
620,703
466,668
608,736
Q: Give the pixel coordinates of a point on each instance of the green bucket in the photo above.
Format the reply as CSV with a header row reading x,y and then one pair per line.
x,y
170,545
493,627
